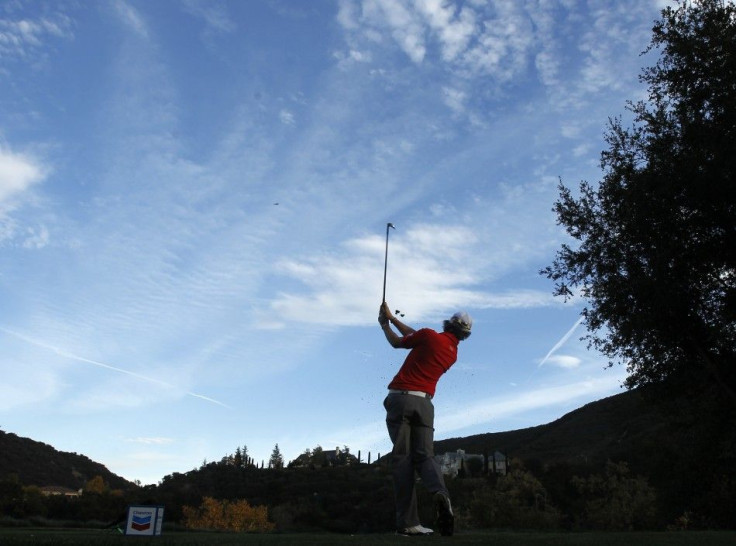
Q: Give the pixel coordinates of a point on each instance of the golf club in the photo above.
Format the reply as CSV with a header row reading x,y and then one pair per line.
x,y
385,261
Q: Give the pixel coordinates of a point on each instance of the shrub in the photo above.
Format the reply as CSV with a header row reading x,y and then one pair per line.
x,y
616,501
236,515
516,500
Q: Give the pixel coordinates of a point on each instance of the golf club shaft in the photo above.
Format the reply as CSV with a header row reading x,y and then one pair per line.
x,y
385,262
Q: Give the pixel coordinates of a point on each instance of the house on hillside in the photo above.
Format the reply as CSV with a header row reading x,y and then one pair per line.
x,y
463,463
322,458
54,490
460,462
340,457
332,456
450,463
498,463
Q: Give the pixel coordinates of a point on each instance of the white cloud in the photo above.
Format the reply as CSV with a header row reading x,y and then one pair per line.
x,y
561,342
37,238
436,259
151,441
18,173
24,385
488,410
25,38
214,15
485,412
613,38
564,361
347,14
487,40
131,17
454,98
400,21
455,28
286,117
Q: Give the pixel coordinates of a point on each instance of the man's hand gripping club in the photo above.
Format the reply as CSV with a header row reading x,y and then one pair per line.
x,y
386,318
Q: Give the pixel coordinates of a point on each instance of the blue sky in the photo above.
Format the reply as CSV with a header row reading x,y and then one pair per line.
x,y
193,204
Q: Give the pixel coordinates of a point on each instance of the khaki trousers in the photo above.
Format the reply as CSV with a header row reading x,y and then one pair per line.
x,y
410,423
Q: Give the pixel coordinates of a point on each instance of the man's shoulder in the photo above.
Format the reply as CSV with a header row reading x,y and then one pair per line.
x,y
422,333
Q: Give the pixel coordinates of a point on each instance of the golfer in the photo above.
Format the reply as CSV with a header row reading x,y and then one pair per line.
x,y
410,416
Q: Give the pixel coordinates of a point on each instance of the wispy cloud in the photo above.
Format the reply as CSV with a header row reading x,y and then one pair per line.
x,y
150,441
131,17
485,412
437,259
71,356
214,14
562,361
24,38
18,173
499,41
287,117
489,410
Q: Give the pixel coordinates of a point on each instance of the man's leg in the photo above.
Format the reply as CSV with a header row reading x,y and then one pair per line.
x,y
429,469
422,437
399,429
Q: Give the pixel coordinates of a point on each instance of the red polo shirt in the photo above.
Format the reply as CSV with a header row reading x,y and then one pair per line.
x,y
431,355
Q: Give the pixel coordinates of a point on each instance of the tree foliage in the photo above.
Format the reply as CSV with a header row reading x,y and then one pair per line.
x,y
656,253
615,500
224,515
276,460
516,500
96,485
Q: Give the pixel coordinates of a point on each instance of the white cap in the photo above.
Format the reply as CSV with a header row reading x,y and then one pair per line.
x,y
463,320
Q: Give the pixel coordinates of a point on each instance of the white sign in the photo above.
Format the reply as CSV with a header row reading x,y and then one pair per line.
x,y
144,520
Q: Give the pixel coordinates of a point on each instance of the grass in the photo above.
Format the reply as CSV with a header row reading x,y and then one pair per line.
x,y
94,537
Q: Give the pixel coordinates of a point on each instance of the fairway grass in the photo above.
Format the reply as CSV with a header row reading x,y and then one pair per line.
x,y
87,537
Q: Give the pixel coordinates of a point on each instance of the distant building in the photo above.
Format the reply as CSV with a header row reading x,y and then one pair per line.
x,y
332,456
340,457
452,463
321,458
53,490
498,463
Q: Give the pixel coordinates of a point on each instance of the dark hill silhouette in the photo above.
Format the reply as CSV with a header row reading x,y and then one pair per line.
x,y
685,455
618,427
622,426
36,463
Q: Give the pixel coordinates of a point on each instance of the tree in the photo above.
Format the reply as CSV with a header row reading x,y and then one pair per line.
x,y
96,485
516,500
318,457
235,515
11,495
656,259
616,501
276,460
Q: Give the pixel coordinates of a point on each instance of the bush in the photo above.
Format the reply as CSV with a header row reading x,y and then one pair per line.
x,y
225,515
517,500
616,501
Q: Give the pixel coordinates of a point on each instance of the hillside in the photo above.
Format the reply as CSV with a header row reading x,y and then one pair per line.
x,y
620,426
36,463
658,445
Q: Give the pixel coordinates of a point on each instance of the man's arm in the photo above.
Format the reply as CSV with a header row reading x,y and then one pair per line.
x,y
385,319
400,326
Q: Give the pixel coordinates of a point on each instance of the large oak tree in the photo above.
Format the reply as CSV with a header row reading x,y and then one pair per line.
x,y
655,240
